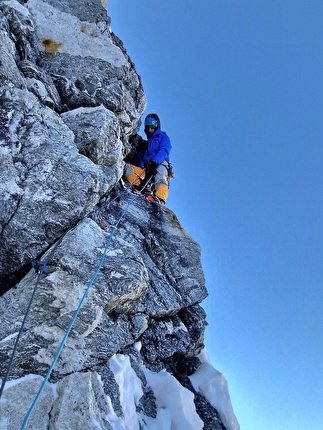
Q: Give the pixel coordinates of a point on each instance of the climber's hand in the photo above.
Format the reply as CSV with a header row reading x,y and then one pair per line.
x,y
151,168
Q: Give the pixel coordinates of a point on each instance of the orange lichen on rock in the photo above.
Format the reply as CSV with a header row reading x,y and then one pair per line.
x,y
85,30
50,47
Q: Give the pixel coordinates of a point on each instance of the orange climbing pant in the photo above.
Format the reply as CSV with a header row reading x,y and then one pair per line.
x,y
135,175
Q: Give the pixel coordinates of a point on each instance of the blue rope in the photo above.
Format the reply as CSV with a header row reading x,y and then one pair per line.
x,y
78,309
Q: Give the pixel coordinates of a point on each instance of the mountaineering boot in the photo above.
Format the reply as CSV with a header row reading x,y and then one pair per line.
x,y
159,200
155,199
150,198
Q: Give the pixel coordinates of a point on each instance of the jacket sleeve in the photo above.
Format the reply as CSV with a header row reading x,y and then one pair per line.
x,y
140,159
164,149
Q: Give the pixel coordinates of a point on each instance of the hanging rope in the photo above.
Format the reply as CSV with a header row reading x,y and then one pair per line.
x,y
40,267
114,228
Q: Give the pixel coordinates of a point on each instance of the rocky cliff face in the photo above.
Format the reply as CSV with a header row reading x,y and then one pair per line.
x,y
70,100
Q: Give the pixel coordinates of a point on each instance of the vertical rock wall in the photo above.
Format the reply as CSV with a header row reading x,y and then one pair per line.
x,y
70,99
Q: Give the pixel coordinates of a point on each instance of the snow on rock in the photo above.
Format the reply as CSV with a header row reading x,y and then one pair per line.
x,y
213,386
175,404
175,408
129,388
23,391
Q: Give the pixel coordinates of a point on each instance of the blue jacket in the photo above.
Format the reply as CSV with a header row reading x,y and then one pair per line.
x,y
158,149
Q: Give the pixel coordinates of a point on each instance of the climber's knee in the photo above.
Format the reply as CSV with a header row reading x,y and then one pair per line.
x,y
134,174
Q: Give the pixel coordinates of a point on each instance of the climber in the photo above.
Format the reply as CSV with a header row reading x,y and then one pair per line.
x,y
152,160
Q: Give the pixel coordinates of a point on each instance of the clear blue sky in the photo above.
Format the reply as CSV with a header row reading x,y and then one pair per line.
x,y
239,89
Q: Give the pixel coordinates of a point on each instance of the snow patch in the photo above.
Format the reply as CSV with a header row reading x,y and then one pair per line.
x,y
130,390
114,253
138,346
115,274
14,382
11,336
30,377
112,418
175,403
213,386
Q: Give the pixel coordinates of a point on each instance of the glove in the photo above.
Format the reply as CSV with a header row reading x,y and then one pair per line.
x,y
151,168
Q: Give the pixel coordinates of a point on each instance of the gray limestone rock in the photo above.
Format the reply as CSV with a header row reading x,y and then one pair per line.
x,y
88,68
47,172
89,403
9,71
122,276
43,178
23,392
132,287
40,84
97,135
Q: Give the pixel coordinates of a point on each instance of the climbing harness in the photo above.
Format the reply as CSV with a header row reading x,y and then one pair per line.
x,y
114,228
